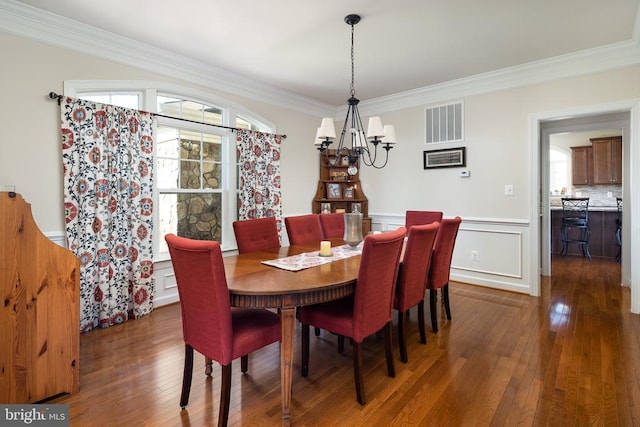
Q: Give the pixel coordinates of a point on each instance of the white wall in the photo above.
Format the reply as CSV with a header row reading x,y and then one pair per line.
x,y
498,143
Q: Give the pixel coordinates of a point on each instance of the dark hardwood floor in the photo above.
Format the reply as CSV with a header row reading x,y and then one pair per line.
x,y
569,357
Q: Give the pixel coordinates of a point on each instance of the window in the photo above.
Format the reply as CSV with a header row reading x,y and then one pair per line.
x,y
197,181
190,170
558,171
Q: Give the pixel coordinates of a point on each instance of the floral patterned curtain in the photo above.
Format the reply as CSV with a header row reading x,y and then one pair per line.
x,y
108,200
259,159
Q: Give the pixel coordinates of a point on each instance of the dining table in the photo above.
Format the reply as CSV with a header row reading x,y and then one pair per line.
x,y
254,284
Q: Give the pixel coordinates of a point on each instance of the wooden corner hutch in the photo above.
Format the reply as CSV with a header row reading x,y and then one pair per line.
x,y
338,190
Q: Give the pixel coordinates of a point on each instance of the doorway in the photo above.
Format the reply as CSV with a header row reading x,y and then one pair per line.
x,y
580,126
624,115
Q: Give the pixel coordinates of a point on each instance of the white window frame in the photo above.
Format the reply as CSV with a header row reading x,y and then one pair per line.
x,y
149,91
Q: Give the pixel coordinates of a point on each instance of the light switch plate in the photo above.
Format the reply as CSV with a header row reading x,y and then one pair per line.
x,y
508,190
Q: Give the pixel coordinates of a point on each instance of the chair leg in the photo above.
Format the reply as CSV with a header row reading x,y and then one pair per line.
x,y
340,344
208,368
433,299
585,247
445,298
187,375
225,395
402,337
305,351
357,371
388,349
423,335
244,363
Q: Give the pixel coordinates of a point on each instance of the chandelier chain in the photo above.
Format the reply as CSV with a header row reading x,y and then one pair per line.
x,y
353,88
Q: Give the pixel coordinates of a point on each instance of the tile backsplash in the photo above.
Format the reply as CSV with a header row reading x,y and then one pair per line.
x,y
598,194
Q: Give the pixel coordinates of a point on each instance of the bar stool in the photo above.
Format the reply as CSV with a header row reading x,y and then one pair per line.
x,y
575,216
619,229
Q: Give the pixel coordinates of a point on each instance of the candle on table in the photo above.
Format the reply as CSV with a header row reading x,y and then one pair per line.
x,y
325,248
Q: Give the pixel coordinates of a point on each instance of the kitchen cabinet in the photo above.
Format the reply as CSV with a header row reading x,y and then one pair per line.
x,y
607,160
582,165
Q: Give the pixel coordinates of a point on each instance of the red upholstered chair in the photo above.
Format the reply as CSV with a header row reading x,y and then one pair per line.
x,y
209,324
303,229
412,280
421,217
441,267
254,235
366,312
332,225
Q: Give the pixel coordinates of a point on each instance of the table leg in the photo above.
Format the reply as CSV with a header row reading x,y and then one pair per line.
x,y
287,325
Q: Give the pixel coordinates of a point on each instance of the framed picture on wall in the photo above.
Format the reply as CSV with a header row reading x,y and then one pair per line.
x,y
334,191
446,158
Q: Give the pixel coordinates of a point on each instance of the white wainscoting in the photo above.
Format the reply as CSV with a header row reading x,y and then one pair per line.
x,y
502,245
166,286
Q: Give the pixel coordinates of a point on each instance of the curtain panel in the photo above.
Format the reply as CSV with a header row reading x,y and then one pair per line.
x,y
258,155
108,200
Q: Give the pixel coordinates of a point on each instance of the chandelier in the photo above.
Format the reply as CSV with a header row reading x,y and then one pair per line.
x,y
361,146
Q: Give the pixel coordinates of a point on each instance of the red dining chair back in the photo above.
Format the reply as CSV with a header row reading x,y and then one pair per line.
x,y
441,266
254,235
412,279
332,225
421,217
367,311
303,229
209,324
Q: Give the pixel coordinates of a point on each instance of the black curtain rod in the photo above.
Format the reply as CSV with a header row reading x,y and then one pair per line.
x,y
53,95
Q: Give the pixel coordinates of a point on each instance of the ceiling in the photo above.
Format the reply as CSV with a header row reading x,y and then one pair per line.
x,y
303,46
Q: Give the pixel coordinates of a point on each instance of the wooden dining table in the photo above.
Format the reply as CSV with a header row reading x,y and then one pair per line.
x,y
254,284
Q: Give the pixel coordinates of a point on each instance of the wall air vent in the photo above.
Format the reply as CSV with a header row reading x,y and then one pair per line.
x,y
444,123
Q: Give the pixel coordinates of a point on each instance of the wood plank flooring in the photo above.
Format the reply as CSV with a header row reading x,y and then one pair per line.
x,y
569,357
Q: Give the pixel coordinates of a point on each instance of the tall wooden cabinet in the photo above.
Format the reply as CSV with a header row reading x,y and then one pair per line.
x,y
607,160
39,318
339,191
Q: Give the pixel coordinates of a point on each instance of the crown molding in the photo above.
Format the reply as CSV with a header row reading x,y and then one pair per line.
x,y
610,57
39,25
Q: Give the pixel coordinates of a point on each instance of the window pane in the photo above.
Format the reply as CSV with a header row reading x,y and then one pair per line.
x,y
126,100
190,145
167,173
190,175
212,148
167,145
168,106
212,115
195,216
212,173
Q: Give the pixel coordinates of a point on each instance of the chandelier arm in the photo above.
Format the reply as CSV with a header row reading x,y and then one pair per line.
x,y
365,144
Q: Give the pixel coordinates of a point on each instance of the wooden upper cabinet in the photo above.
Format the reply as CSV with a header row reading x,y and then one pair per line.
x,y
582,165
607,160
